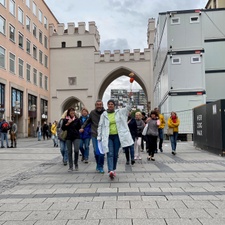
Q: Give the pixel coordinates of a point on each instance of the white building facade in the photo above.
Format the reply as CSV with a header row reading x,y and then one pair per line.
x,y
189,66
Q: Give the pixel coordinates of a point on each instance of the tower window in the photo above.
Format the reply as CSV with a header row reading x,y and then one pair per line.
x,y
63,44
79,44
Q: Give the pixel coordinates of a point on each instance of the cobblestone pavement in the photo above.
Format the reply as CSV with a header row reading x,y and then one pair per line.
x,y
36,188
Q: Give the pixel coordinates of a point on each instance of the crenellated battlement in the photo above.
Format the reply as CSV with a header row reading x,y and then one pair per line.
x,y
126,55
151,32
73,30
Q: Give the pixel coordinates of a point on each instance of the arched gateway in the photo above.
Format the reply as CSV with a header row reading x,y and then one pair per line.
x,y
80,73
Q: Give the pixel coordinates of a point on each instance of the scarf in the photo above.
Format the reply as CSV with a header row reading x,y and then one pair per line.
x,y
68,117
174,119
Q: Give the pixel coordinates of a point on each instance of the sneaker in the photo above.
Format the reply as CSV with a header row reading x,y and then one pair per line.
x,y
148,158
132,162
82,159
11,146
139,158
127,163
85,161
76,167
70,169
101,171
156,151
173,152
65,163
161,150
152,158
111,174
97,168
114,173
135,158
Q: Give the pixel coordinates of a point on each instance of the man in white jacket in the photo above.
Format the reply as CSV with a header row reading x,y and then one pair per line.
x,y
113,132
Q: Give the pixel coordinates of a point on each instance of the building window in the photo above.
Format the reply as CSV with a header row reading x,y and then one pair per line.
x,y
17,98
2,25
176,60
40,79
72,80
45,23
12,7
195,59
34,30
12,66
2,57
46,61
35,76
40,36
40,56
28,46
34,52
214,4
79,44
2,96
20,68
32,100
44,108
2,2
40,15
20,15
28,3
20,40
175,20
12,35
28,72
194,19
46,83
28,23
34,9
63,44
45,42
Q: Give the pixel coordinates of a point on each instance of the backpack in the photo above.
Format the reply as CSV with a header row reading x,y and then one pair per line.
x,y
5,126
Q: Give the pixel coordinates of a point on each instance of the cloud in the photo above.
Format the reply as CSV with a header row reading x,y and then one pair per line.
x,y
114,44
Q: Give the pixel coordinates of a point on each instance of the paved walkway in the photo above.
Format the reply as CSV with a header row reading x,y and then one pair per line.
x,y
36,188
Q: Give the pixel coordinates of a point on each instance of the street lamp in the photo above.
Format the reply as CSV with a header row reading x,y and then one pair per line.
x,y
17,110
33,109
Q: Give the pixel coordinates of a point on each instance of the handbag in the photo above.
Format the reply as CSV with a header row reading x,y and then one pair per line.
x,y
63,135
144,132
170,131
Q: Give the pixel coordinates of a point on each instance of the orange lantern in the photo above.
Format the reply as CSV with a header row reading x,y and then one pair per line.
x,y
131,80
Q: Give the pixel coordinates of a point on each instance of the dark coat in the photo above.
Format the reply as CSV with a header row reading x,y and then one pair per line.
x,y
72,129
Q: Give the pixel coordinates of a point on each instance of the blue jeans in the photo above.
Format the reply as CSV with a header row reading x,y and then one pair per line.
x,y
173,141
55,140
99,158
129,152
70,144
4,136
161,133
63,150
84,147
39,136
112,155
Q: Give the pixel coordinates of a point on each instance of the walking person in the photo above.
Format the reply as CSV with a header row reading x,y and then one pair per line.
x,y
62,141
13,133
161,129
85,136
93,119
152,134
129,150
114,132
45,131
143,139
72,124
173,122
54,133
4,127
140,126
39,131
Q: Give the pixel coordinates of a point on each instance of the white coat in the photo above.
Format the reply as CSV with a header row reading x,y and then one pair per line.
x,y
122,128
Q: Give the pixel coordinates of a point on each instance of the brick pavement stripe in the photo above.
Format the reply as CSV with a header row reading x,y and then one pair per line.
x,y
37,206
63,206
14,215
149,222
191,204
131,213
143,204
89,205
83,222
12,207
183,222
101,214
72,214
19,222
42,215
161,213
193,213
116,205
116,222
214,221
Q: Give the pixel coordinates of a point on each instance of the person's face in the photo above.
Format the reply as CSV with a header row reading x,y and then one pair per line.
x,y
72,114
98,106
84,113
173,114
153,116
111,106
137,116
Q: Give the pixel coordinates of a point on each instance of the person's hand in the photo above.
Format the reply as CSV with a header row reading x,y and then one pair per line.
x,y
81,130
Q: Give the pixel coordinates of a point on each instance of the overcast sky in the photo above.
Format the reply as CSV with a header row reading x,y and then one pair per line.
x,y
122,24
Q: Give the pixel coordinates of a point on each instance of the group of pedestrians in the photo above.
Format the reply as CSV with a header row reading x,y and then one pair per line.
x,y
11,129
110,130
